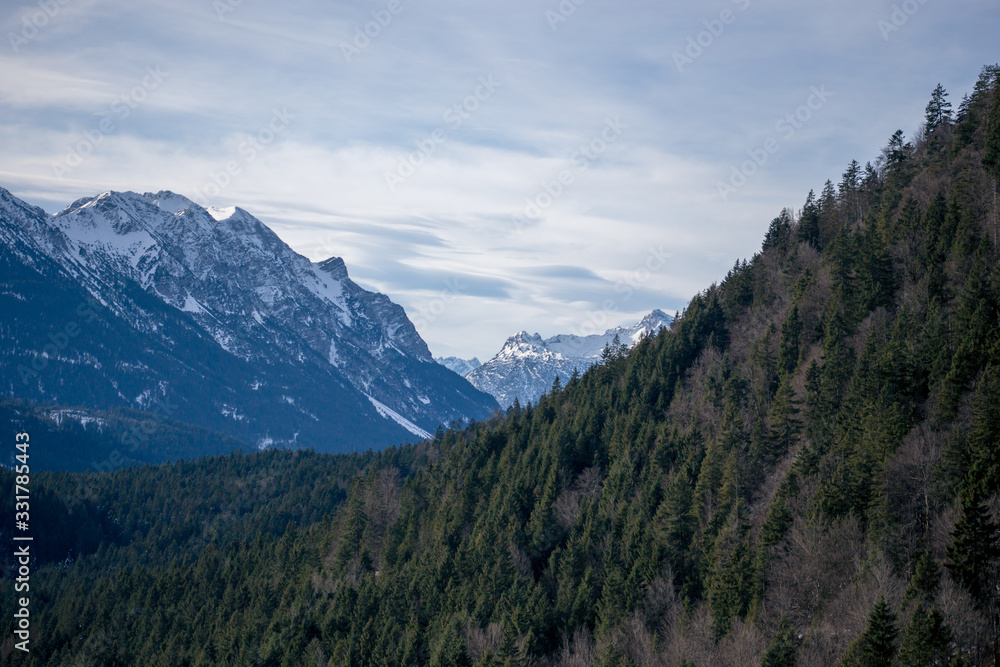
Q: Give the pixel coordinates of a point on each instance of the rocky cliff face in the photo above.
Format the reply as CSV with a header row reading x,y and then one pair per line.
x,y
209,309
527,365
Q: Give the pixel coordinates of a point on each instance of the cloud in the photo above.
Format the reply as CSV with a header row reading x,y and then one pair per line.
x,y
481,204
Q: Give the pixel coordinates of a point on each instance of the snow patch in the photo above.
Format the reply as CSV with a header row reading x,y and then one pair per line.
x,y
389,413
221,214
170,202
59,416
231,412
191,305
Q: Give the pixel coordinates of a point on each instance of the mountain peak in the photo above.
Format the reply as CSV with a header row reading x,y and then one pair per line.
x,y
524,337
526,365
170,202
223,213
654,315
335,267
164,263
461,366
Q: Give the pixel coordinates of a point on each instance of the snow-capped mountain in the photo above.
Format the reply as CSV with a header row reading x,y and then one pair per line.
x,y
156,301
461,366
527,365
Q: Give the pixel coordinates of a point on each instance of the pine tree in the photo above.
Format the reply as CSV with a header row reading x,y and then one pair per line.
x,y
791,341
779,232
895,152
849,182
963,108
984,437
618,348
606,353
926,640
849,198
808,229
783,418
991,156
926,577
876,647
938,111
973,554
784,648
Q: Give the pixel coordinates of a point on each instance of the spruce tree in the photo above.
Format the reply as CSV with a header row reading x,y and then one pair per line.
x,y
791,336
808,229
926,640
991,156
938,111
925,580
895,152
973,554
784,648
876,647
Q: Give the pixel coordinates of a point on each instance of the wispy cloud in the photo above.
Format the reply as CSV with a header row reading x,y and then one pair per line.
x,y
444,240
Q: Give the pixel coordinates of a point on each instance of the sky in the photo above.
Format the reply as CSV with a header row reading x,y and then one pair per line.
x,y
552,166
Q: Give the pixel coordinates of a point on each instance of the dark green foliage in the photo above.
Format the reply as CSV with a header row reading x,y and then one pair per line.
x,y
896,152
779,233
983,476
974,555
991,155
791,341
938,110
876,647
808,230
111,439
926,641
810,421
784,647
925,580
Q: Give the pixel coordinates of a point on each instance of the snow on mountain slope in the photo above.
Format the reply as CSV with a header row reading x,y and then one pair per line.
x,y
527,365
223,274
461,366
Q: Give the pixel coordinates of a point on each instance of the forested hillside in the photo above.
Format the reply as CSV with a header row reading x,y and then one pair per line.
x,y
804,470
80,439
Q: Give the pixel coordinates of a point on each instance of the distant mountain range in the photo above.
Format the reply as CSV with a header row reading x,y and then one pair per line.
x,y
461,366
152,302
527,365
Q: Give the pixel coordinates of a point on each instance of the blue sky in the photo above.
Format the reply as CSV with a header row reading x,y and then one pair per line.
x,y
492,166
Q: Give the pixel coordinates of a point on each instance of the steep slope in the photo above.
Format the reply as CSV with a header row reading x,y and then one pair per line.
x,y
461,366
803,471
527,365
209,311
